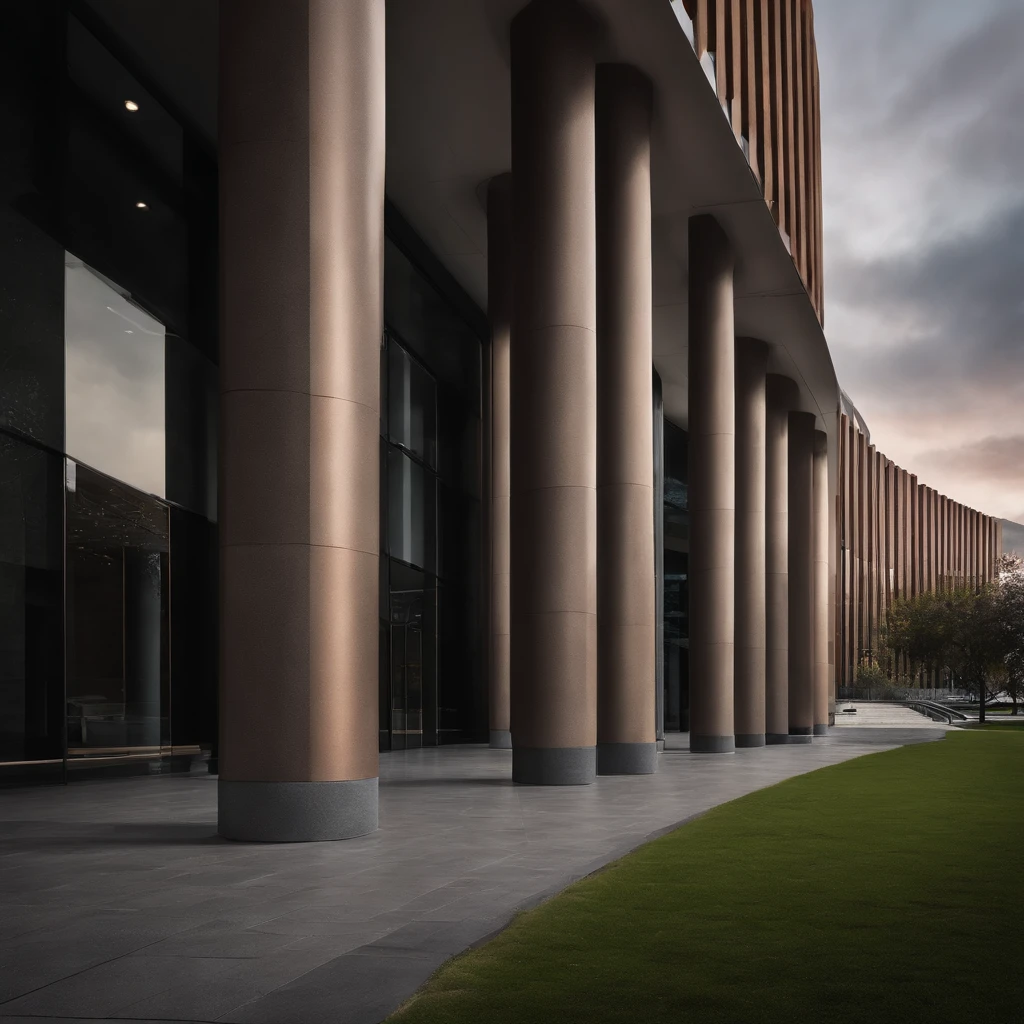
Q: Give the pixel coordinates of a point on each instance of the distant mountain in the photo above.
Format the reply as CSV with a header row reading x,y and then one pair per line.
x,y
1013,537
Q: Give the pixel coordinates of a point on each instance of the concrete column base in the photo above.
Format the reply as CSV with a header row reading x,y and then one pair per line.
x,y
756,739
554,766
800,737
712,744
821,730
501,739
627,758
774,738
296,812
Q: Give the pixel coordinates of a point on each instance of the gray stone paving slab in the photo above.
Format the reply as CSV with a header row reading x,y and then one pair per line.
x,y
118,901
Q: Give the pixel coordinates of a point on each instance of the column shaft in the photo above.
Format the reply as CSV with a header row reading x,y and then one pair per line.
x,y
626,742
712,486
302,244
751,367
821,582
801,576
554,398
499,312
781,394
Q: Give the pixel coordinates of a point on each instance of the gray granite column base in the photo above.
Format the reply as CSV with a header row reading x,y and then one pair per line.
x,y
501,739
755,739
801,730
712,744
296,812
627,758
772,738
554,766
800,737
821,730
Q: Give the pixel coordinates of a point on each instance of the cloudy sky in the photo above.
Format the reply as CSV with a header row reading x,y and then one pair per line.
x,y
923,151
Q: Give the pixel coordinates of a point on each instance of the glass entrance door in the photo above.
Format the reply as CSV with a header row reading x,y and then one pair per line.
x,y
118,696
407,663
412,650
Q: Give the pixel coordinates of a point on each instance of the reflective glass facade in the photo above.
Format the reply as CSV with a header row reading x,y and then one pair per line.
x,y
108,432
107,410
431,679
676,589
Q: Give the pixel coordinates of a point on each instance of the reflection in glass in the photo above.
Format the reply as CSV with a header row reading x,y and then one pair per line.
x,y
430,327
411,511
412,659
411,418
117,630
114,358
31,626
676,586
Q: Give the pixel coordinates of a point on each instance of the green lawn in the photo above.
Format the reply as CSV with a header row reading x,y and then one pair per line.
x,y
889,888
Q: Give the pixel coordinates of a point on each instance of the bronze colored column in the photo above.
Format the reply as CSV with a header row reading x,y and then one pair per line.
x,y
302,247
781,395
626,743
821,581
712,486
499,312
801,577
554,398
751,368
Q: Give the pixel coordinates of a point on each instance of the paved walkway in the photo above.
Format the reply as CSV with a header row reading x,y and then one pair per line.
x,y
118,902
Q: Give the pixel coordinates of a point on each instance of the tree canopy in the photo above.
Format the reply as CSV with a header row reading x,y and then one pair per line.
x,y
975,634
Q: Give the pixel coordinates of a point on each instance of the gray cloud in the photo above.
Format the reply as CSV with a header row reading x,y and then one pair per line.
x,y
922,148
991,458
954,311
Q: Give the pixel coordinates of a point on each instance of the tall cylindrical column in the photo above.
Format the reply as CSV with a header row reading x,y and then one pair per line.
x,y
781,396
554,398
302,245
499,312
712,486
820,534
751,367
801,577
626,743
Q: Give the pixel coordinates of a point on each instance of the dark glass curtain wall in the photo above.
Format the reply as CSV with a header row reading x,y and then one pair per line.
x,y
107,407
108,430
431,548
676,589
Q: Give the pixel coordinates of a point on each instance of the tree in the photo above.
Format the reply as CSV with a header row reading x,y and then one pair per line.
x,y
1011,624
916,629
974,640
963,631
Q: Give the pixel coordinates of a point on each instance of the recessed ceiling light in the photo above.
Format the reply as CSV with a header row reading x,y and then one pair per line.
x,y
131,105
141,205
129,332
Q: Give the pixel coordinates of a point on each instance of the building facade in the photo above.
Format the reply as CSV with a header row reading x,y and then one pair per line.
x,y
898,538
379,375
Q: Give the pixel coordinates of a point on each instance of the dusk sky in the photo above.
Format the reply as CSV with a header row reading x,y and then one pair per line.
x,y
923,154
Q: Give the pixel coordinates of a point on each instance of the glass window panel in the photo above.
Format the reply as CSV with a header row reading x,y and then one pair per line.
x,y
31,262
430,327
412,515
191,424
412,421
31,602
114,358
118,699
